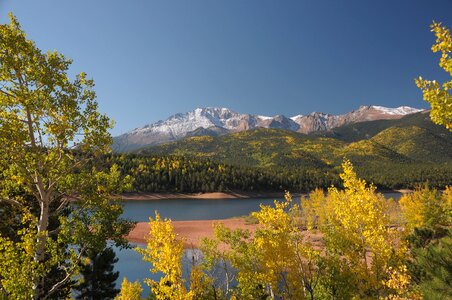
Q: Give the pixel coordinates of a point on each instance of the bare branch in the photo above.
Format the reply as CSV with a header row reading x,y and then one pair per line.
x,y
61,206
55,231
6,93
11,201
69,274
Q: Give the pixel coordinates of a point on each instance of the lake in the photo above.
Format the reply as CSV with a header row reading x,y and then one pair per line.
x,y
192,209
131,265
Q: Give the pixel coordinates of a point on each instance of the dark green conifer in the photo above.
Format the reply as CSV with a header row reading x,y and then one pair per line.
x,y
98,278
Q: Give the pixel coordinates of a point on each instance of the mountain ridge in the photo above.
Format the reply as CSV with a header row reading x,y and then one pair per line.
x,y
269,147
217,121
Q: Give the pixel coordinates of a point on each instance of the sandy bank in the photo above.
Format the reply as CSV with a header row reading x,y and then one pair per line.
x,y
404,191
215,195
191,231
221,195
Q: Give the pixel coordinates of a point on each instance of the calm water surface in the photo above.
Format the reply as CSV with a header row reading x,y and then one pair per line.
x,y
192,209
131,265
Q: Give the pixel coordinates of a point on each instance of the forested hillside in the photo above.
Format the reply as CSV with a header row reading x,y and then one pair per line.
x,y
396,154
365,130
163,173
160,173
413,138
257,148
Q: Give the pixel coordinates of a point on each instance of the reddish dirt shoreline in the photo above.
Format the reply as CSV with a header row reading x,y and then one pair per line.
x,y
220,195
191,231
215,195
194,230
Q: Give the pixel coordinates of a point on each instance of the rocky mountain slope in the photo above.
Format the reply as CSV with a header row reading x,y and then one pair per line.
x,y
218,121
267,148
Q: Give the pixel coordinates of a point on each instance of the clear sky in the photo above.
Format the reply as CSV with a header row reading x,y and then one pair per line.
x,y
151,59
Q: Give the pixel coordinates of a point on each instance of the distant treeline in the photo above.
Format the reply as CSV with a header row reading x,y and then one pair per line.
x,y
161,173
410,175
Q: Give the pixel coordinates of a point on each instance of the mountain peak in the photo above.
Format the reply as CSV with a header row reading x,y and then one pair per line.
x,y
181,125
401,110
297,117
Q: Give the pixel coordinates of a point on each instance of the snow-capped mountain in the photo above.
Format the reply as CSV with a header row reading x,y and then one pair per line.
x,y
318,121
216,121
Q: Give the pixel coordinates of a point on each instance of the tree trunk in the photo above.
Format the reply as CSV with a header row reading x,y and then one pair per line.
x,y
41,243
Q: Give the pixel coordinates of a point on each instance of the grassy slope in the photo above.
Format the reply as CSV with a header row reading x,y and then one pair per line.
x,y
404,155
366,130
275,147
259,147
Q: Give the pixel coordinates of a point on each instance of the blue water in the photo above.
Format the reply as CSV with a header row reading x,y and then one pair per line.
x,y
192,209
130,263
134,268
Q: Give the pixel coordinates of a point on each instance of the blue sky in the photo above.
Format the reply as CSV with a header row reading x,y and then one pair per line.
x,y
151,59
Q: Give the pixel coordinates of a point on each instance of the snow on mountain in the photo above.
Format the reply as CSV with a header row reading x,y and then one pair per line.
x,y
214,121
295,118
401,110
317,121
264,117
179,124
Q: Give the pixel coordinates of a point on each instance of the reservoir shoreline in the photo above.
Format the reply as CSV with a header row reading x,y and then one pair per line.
x,y
221,195
209,196
191,232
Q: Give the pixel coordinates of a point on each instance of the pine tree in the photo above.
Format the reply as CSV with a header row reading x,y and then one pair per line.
x,y
436,264
98,277
52,135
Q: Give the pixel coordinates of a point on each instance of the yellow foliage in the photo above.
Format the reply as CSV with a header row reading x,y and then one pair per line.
x,y
201,139
437,95
275,254
363,257
426,207
165,252
400,282
314,209
18,268
357,227
200,284
443,45
130,290
290,140
175,165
